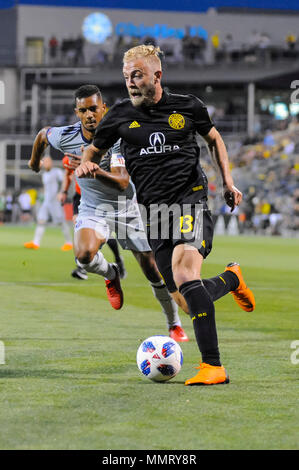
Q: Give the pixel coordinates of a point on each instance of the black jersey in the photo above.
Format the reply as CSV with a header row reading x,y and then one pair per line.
x,y
159,146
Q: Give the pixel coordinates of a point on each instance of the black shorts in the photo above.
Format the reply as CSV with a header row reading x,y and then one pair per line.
x,y
196,228
76,203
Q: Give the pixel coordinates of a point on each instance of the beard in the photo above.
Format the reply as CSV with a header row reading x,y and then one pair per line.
x,y
143,96
90,127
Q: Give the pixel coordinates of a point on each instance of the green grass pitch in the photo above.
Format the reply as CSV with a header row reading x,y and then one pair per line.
x,y
70,379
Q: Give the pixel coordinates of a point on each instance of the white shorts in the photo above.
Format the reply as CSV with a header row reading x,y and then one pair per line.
x,y
51,210
130,234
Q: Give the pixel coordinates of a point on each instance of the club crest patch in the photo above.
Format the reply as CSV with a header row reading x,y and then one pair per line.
x,y
176,121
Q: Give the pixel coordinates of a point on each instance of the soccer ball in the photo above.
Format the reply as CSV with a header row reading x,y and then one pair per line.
x,y
159,358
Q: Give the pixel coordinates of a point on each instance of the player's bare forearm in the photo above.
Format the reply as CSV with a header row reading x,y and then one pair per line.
x,y
39,146
67,179
92,154
232,195
219,155
117,178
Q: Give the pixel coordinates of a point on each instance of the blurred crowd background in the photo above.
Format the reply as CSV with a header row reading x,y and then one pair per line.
x,y
219,48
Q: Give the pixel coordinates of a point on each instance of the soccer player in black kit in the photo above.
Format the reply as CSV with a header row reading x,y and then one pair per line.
x,y
158,131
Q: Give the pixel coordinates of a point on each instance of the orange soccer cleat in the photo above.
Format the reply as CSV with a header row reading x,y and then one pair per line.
x,y
31,245
242,295
67,247
178,334
209,375
114,291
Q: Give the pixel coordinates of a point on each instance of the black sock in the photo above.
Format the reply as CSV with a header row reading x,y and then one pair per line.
x,y
113,245
220,285
202,313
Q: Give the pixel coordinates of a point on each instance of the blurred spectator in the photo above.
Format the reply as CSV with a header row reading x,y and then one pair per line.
x,y
216,40
290,41
53,49
228,47
24,201
2,207
192,47
252,46
172,50
78,51
269,139
264,44
8,208
68,51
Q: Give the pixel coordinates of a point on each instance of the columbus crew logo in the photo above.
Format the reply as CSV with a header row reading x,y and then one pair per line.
x,y
176,121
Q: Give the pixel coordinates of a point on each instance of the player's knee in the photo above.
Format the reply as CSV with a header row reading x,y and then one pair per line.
x,y
183,273
180,278
85,256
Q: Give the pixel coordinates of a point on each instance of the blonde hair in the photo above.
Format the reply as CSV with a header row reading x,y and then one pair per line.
x,y
143,51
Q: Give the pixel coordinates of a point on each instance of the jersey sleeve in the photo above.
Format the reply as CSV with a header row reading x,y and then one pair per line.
x,y
117,159
203,122
107,131
54,137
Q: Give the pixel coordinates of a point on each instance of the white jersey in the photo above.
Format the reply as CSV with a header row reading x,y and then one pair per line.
x,y
52,180
103,208
95,193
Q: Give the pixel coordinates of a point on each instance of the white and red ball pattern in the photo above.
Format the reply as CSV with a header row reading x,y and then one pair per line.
x,y
159,358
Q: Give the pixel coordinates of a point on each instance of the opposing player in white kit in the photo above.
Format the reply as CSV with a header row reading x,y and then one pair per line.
x,y
93,223
51,208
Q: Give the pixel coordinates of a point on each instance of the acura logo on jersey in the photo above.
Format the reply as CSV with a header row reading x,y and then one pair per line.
x,y
157,142
157,138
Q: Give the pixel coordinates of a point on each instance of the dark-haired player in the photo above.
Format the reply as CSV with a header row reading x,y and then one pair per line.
x,y
92,225
79,272
158,131
73,136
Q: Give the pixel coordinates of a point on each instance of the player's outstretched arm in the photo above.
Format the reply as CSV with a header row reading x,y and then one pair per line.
x,y
232,195
89,162
92,154
39,146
